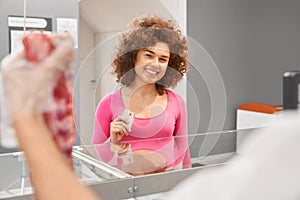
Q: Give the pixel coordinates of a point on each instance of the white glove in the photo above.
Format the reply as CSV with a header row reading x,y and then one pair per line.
x,y
26,84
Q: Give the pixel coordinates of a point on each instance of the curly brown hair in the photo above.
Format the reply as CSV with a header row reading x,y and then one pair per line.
x,y
146,32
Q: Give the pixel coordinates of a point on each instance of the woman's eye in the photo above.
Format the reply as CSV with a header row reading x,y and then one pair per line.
x,y
148,55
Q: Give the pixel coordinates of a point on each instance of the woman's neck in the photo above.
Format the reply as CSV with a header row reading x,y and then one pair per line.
x,y
144,101
140,90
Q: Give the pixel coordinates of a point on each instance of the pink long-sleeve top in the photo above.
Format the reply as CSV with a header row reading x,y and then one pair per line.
x,y
165,133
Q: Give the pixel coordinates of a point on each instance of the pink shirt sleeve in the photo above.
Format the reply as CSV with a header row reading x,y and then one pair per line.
x,y
102,121
181,134
103,117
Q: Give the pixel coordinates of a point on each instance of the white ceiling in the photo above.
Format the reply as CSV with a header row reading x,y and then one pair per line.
x,y
115,15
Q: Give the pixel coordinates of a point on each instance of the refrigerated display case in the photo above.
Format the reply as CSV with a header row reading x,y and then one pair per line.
x,y
102,175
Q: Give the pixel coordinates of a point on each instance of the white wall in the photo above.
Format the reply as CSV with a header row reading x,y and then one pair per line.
x,y
105,43
86,75
178,10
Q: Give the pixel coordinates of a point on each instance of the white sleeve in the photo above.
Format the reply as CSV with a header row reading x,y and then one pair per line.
x,y
268,168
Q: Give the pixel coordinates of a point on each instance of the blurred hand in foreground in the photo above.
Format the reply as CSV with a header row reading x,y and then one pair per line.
x,y
28,84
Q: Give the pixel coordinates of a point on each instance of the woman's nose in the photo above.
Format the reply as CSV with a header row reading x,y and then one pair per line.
x,y
156,61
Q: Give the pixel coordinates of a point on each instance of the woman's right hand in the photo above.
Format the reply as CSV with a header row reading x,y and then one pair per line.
x,y
118,128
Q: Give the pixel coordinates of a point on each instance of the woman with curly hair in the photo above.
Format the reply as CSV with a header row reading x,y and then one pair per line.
x,y
150,58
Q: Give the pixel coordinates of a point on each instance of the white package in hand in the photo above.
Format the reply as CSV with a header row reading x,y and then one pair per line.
x,y
129,116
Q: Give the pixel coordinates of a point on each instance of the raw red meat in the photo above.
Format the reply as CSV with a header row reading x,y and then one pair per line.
x,y
58,113
37,46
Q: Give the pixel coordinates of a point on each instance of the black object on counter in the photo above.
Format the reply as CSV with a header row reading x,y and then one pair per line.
x,y
291,81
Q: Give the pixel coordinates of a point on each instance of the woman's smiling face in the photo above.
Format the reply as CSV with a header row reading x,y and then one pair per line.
x,y
151,63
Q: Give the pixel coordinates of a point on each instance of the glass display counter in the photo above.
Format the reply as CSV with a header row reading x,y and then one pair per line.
x,y
128,170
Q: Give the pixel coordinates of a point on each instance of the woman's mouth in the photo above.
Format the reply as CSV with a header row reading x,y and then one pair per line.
x,y
150,71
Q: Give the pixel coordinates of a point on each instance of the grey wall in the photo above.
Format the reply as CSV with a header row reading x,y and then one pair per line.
x,y
7,7
34,8
252,42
